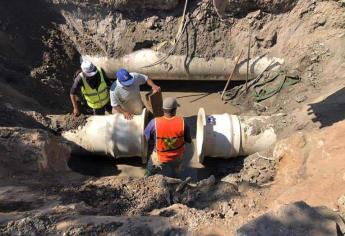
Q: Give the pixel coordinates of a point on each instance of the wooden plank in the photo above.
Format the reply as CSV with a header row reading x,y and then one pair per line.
x,y
155,103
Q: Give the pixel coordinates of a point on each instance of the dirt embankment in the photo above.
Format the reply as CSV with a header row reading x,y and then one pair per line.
x,y
307,35
38,59
207,206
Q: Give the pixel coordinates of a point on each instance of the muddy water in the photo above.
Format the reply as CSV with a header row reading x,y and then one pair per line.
x,y
191,96
195,94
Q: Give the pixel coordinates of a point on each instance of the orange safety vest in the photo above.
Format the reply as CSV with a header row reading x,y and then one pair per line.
x,y
169,138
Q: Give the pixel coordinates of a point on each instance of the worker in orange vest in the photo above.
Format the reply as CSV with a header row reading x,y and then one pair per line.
x,y
169,134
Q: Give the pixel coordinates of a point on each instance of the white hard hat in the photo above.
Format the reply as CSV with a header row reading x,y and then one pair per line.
x,y
88,68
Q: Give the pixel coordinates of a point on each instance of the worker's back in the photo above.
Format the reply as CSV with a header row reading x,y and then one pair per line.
x,y
170,137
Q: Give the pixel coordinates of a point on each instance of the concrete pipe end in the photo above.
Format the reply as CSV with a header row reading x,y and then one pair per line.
x,y
200,134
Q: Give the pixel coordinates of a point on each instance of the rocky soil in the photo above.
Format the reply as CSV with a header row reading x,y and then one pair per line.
x,y
39,56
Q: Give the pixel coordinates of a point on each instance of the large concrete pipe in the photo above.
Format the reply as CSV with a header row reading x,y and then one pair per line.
x,y
111,135
181,68
227,136
257,133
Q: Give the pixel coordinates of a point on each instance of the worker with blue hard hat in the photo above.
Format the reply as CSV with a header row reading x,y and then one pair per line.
x,y
125,93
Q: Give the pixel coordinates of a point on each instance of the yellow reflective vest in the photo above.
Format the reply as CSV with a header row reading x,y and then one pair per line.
x,y
98,97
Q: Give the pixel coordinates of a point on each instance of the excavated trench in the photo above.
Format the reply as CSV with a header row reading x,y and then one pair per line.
x,y
71,29
102,166
41,193
191,96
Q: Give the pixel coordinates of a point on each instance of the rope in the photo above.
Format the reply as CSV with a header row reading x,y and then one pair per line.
x,y
182,27
263,94
239,90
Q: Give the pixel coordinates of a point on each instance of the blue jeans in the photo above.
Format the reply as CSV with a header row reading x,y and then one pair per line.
x,y
169,169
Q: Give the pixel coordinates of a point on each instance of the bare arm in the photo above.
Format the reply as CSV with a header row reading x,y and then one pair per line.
x,y
154,87
73,94
76,111
118,109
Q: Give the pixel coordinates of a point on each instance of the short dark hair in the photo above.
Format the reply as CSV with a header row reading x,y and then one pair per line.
x,y
170,111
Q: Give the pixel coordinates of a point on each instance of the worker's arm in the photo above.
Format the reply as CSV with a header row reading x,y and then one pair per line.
x,y
150,130
155,88
142,79
127,115
73,95
76,111
150,135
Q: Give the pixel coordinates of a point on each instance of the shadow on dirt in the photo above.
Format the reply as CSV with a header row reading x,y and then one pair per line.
x,y
17,206
222,167
45,224
15,118
32,64
330,110
294,219
132,10
93,165
98,165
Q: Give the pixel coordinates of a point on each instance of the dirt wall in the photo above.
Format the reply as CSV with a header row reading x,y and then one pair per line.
x,y
239,9
30,151
303,33
36,60
126,5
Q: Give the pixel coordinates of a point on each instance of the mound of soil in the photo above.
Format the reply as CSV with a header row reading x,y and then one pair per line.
x,y
61,123
39,57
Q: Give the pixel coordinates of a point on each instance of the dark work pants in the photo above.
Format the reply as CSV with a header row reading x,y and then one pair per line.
x,y
101,111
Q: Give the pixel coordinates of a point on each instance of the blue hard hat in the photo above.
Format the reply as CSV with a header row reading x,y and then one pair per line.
x,y
124,77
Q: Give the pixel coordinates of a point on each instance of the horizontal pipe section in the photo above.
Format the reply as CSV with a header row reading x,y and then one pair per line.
x,y
227,136
179,67
111,135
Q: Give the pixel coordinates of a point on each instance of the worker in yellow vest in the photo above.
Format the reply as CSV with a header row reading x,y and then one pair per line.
x,y
169,134
94,86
